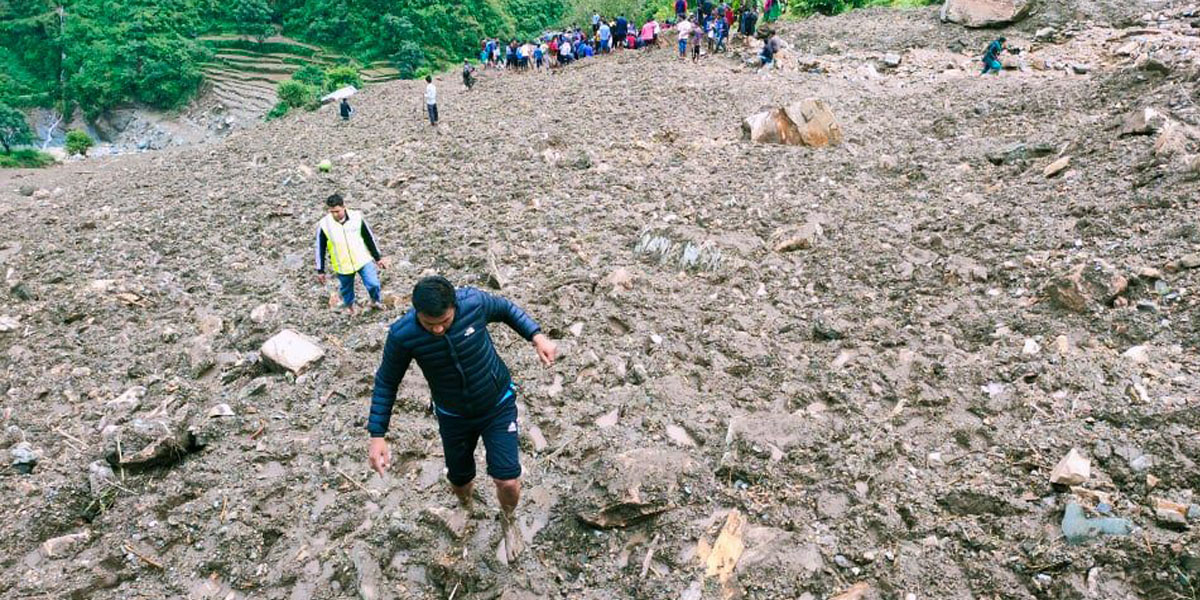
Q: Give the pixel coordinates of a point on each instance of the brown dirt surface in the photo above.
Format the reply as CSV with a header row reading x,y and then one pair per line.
x,y
881,406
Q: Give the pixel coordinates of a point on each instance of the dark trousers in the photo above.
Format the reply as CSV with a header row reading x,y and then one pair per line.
x,y
433,115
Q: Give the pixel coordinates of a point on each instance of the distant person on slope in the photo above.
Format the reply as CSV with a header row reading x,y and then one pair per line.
x,y
345,110
431,100
684,28
681,10
991,57
772,10
621,30
472,391
595,23
343,235
650,33
468,74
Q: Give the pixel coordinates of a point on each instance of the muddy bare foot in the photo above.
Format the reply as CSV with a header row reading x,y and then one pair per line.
x,y
513,544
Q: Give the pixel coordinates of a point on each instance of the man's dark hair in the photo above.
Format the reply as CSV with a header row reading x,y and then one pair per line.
x,y
433,296
429,78
335,200
1002,40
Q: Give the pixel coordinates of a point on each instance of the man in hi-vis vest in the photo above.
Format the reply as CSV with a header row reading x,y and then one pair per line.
x,y
343,235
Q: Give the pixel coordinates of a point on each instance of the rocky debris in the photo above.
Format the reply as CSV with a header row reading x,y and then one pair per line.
x,y
220,410
1086,287
1081,68
857,591
1073,469
1174,140
1144,121
24,457
1137,354
1020,152
891,60
985,13
26,190
1079,529
809,122
1045,34
149,441
100,478
635,485
803,237
264,313
1151,64
1170,514
1056,167
65,545
291,351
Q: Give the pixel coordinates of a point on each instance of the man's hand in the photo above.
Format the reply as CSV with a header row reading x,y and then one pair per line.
x,y
383,262
379,455
321,278
546,349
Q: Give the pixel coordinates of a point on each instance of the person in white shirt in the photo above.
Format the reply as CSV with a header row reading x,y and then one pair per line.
x,y
431,100
685,29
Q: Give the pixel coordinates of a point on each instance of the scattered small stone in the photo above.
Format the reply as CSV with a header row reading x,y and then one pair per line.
x,y
1137,354
264,313
1057,167
1170,514
1073,469
609,418
891,60
842,561
1143,122
539,440
1045,34
27,190
9,324
1031,347
100,477
24,457
1081,69
65,545
680,436
291,351
220,410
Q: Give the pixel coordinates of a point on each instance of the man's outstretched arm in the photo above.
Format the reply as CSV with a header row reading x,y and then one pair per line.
x,y
502,309
387,382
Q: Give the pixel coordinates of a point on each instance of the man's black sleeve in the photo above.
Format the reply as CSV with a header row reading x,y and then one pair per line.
x,y
321,243
369,240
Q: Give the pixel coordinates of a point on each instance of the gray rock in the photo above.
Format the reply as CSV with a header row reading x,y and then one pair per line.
x,y
24,457
100,477
891,60
1081,69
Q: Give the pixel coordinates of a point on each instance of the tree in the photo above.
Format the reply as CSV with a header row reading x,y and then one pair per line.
x,y
13,128
253,17
310,74
78,142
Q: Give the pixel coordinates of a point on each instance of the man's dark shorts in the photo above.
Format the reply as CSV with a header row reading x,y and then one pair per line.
x,y
500,434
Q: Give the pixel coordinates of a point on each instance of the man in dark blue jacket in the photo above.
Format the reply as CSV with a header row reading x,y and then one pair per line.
x,y
473,396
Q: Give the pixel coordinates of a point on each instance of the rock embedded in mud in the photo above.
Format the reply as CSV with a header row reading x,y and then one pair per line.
x,y
65,545
1086,286
1073,469
1143,121
291,351
809,122
803,237
24,457
1057,167
985,13
264,313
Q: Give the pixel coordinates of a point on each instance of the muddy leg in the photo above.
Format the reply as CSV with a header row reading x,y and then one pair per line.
x,y
508,492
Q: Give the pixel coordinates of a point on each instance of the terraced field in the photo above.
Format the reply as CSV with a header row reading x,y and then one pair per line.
x,y
243,73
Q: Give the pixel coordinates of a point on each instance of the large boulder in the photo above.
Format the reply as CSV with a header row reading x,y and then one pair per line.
x,y
985,13
808,122
291,351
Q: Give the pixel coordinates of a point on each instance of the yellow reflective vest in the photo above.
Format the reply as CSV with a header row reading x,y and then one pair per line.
x,y
344,243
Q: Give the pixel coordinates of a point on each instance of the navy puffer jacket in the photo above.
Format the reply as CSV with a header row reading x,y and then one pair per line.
x,y
465,375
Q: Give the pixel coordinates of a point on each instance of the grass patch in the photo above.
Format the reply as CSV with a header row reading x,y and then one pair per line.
x,y
25,159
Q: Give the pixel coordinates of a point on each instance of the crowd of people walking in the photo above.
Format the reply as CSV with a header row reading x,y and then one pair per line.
x,y
705,24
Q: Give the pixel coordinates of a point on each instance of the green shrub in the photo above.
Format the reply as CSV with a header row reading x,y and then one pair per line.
x,y
25,159
310,74
339,77
278,111
78,142
295,94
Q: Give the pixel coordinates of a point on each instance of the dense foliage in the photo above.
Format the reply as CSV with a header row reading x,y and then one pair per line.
x,y
13,128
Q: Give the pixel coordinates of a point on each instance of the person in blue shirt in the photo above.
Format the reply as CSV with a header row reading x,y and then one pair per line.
x,y
991,57
473,396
